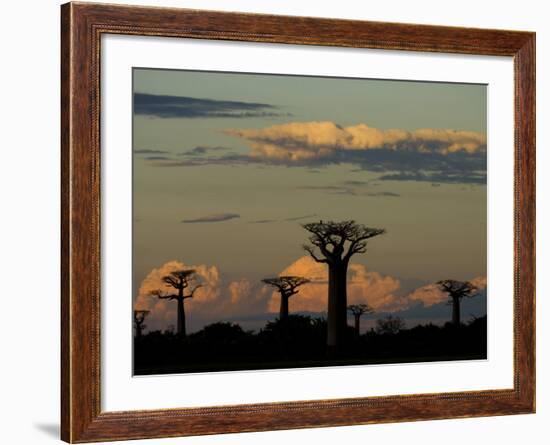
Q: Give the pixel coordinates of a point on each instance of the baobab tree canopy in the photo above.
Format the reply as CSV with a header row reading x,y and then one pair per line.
x,y
140,314
360,309
179,278
457,289
338,241
287,285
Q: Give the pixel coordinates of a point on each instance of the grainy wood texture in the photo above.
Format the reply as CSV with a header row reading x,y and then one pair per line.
x,y
82,26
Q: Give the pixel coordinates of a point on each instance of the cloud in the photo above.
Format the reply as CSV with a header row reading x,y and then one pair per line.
x,y
203,149
459,177
333,189
147,151
480,282
364,286
247,298
157,158
291,219
353,189
163,312
298,218
306,140
198,161
263,221
243,299
240,300
435,155
216,217
216,300
164,106
431,294
386,194
424,155
356,183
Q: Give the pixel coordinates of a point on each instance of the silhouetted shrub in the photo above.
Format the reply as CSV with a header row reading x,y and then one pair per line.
x,y
390,325
300,340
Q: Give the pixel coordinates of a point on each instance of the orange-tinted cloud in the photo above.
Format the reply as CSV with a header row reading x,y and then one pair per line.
x,y
222,301
216,300
364,286
163,312
300,141
431,293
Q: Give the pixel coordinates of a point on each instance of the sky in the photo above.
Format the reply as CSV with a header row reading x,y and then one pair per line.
x,y
227,166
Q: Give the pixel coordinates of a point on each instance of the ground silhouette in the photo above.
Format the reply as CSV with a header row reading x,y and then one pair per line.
x,y
300,341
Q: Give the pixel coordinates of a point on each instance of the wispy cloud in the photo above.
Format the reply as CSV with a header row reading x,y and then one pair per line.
x,y
326,188
290,219
356,183
202,150
216,217
298,218
164,106
263,221
157,158
353,189
147,151
386,194
456,177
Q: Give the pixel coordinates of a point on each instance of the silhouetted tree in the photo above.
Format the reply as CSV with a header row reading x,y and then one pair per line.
x,y
139,321
179,280
287,287
337,242
221,333
457,290
389,325
357,310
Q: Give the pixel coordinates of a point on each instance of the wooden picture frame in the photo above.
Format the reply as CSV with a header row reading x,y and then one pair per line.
x,y
82,26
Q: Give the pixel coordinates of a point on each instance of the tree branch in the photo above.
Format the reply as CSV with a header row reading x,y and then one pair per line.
x,y
161,296
192,293
311,252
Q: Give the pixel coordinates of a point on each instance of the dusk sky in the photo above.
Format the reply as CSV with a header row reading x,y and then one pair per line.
x,y
228,166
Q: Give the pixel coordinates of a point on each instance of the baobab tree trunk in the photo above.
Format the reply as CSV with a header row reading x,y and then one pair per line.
x,y
181,318
357,324
337,307
283,312
456,311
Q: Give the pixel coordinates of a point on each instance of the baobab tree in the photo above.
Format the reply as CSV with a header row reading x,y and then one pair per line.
x,y
358,310
287,287
179,280
334,243
139,321
457,290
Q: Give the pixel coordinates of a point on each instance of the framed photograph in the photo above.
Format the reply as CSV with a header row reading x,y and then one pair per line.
x,y
274,222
